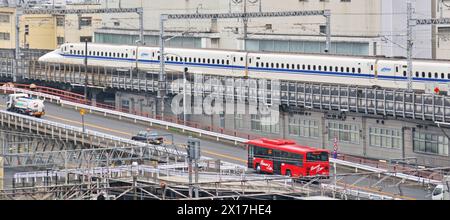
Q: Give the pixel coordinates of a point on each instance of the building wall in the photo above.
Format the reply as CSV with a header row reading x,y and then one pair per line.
x,y
44,30
7,27
371,27
442,38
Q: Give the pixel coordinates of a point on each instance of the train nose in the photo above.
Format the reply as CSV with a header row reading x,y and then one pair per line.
x,y
50,57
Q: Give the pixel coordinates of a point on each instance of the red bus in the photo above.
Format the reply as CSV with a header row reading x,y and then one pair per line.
x,y
284,157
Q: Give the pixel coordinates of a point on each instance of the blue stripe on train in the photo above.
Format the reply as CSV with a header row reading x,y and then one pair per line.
x,y
355,75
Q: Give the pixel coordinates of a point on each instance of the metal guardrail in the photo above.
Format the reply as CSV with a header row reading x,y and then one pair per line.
x,y
136,118
387,172
10,119
356,193
51,98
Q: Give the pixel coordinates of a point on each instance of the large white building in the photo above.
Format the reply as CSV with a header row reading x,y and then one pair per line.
x,y
370,27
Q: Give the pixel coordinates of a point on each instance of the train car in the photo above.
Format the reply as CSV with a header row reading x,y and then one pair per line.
x,y
329,69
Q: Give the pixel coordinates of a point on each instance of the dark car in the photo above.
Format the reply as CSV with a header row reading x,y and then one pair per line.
x,y
148,137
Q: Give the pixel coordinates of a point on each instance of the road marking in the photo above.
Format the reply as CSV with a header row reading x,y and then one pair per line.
x,y
128,134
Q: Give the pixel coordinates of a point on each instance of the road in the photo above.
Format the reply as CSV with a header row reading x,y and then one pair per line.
x,y
223,151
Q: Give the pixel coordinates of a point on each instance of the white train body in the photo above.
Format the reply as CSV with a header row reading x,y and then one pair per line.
x,y
330,69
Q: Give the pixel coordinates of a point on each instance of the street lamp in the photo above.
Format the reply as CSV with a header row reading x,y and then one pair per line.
x,y
184,85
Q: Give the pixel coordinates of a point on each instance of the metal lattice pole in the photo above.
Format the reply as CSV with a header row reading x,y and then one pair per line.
x,y
410,45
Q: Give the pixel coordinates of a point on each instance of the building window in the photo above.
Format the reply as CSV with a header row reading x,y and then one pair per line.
x,y
264,124
386,138
346,133
60,22
238,121
304,128
431,144
4,18
5,36
85,22
60,40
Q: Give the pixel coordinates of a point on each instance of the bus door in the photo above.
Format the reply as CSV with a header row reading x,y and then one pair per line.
x,y
251,155
277,161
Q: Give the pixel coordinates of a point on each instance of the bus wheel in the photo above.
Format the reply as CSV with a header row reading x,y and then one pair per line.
x,y
258,169
288,173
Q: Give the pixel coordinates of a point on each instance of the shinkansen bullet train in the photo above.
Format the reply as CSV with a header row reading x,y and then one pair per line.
x,y
329,69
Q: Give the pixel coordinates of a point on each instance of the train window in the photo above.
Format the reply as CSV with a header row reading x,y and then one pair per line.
x,y
404,73
309,67
153,54
342,69
429,75
396,69
234,59
436,75
190,59
267,65
371,67
353,70
442,76
314,67
257,64
228,62
209,61
417,74
298,66
218,61
271,65
242,58
359,70
159,57
282,65
325,68
293,66
448,76
71,52
320,68
303,67
336,69
213,61
278,65
423,74
126,55
348,69
250,60
102,53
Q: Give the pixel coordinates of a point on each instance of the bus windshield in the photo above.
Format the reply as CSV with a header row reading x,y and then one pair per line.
x,y
317,157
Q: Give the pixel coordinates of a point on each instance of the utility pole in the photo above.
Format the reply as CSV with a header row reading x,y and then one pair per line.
x,y
410,45
245,21
162,73
19,13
